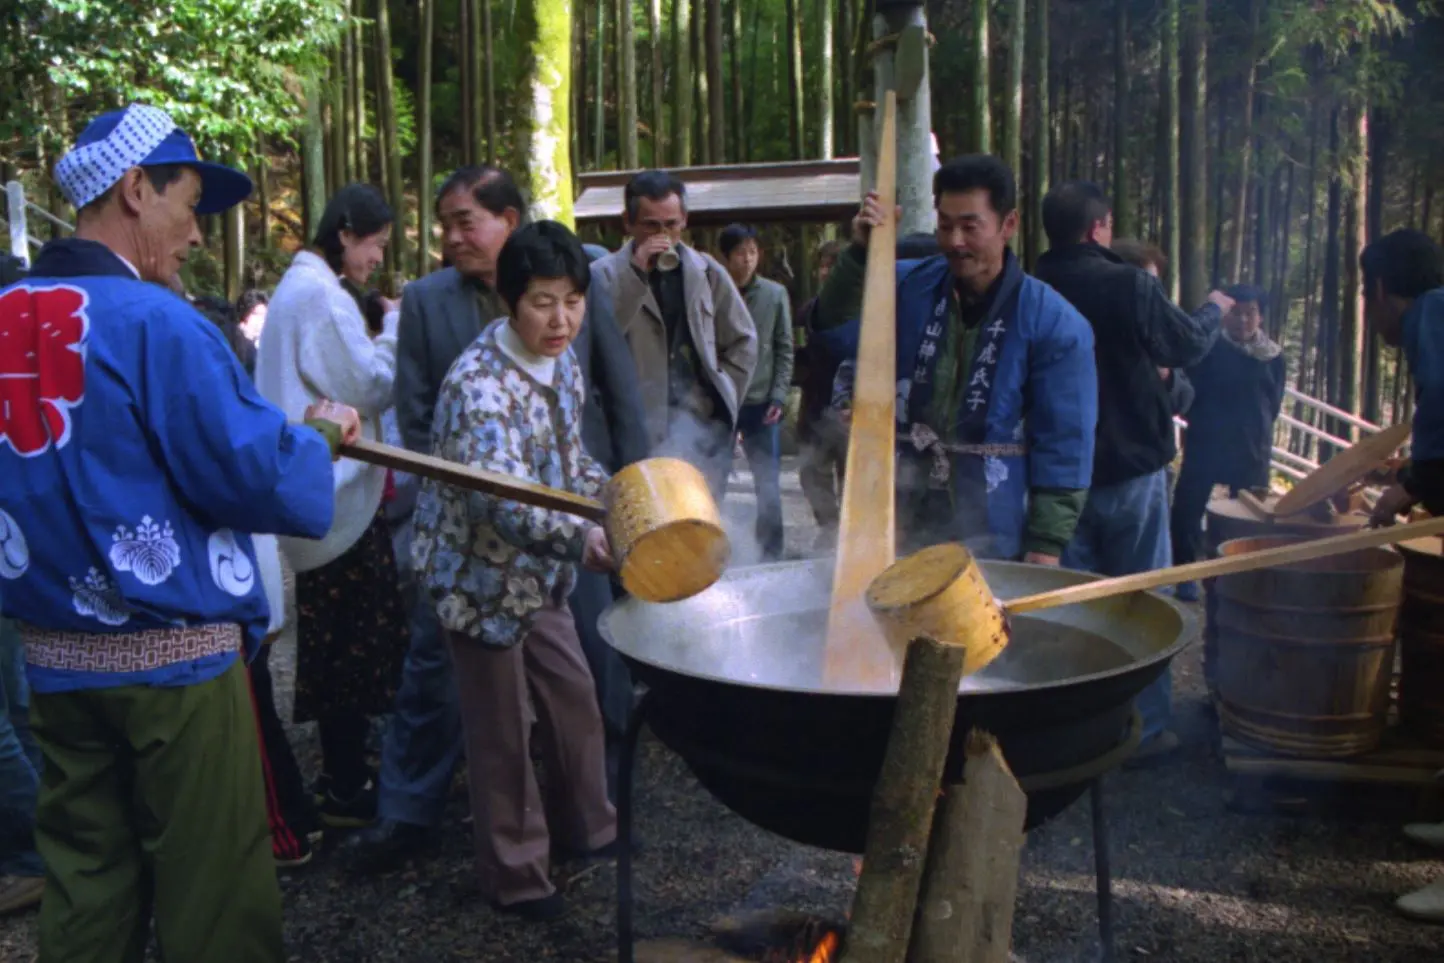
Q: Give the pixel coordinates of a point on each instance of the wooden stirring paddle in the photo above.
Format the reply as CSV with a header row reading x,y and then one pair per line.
x,y
663,525
856,648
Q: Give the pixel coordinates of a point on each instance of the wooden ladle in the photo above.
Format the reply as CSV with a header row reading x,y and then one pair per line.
x,y
658,513
940,592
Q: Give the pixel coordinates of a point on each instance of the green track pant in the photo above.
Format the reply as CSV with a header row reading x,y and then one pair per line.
x,y
152,803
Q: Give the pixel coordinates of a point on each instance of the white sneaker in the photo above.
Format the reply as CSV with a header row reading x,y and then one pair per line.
x,y
1427,834
1425,905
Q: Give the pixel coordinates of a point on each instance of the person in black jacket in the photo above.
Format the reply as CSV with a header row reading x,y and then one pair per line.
x,y
1238,390
1137,330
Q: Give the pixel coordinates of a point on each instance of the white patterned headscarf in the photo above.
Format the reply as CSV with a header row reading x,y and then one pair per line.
x,y
91,169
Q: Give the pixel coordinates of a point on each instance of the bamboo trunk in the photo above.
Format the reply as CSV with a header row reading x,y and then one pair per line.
x,y
1038,57
716,99
659,108
1245,144
1192,152
982,129
682,81
903,802
1172,229
826,114
488,90
1122,201
795,125
426,10
390,141
627,85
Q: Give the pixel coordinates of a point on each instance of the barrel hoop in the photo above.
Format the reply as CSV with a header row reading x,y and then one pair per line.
x,y
1352,642
1308,609
1237,707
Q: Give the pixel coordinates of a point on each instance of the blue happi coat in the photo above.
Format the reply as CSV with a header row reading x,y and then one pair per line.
x,y
134,459
1030,416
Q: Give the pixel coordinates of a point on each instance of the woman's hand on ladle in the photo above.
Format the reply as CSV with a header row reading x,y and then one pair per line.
x,y
597,551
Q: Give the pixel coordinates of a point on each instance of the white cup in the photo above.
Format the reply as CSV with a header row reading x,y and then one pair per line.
x,y
669,260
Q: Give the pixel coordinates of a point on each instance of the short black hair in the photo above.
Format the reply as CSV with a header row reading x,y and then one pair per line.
x,y
248,301
544,249
732,237
978,171
358,208
654,186
1408,262
493,188
161,176
1070,209
1248,293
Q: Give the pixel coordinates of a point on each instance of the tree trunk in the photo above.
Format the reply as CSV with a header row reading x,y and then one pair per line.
x,y
1013,112
338,159
233,249
1192,156
627,85
599,101
914,118
427,11
1353,368
466,12
1038,58
735,128
544,33
847,24
391,141
716,101
1329,315
1245,144
826,113
1221,103
903,804
488,91
682,81
358,93
354,115
1308,349
982,132
700,135
1281,267
1168,174
313,165
1122,187
795,126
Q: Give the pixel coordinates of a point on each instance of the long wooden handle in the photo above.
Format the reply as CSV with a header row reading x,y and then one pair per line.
x,y
856,648
474,479
1229,565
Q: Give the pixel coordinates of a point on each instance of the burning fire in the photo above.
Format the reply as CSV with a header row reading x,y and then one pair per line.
x,y
825,951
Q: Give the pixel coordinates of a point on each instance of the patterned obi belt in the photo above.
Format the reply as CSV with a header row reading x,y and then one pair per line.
x,y
926,441
126,651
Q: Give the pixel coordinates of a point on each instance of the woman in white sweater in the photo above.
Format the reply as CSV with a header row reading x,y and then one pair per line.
x,y
351,631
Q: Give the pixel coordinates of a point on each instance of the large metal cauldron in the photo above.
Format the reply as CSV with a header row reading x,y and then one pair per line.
x,y
736,680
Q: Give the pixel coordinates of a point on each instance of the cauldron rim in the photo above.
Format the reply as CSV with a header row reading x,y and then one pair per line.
x,y
1187,632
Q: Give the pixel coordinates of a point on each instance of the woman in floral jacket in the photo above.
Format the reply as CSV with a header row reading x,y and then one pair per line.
x,y
500,573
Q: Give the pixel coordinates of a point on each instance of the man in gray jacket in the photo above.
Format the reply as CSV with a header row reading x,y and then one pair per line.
x,y
693,342
760,421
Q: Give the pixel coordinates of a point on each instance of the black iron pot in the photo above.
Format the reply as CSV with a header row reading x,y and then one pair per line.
x,y
736,691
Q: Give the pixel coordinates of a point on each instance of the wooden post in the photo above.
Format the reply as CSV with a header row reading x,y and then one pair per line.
x,y
902,805
965,913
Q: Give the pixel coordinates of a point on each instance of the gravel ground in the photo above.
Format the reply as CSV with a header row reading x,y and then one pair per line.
x,y
1193,880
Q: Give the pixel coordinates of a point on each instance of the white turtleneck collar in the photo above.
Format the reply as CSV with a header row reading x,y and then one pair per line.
x,y
539,366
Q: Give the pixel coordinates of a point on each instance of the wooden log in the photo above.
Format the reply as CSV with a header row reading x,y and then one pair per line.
x,y
902,805
965,912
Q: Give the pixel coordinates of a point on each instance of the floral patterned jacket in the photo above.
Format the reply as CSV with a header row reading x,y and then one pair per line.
x,y
490,563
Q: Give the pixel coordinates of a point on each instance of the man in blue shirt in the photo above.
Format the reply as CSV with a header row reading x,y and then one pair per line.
x,y
1404,302
135,461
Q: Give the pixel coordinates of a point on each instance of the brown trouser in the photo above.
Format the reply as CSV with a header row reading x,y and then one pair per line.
x,y
543,680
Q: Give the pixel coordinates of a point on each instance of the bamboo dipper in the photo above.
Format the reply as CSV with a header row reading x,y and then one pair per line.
x,y
658,514
940,592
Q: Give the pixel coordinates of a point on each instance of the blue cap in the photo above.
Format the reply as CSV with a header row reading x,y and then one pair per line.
x,y
142,136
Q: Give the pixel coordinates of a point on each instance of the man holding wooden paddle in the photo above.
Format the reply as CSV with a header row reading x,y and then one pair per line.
x,y
997,388
1404,302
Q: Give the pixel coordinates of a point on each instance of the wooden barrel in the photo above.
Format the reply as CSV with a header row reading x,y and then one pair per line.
x,y
1229,518
1421,640
1306,651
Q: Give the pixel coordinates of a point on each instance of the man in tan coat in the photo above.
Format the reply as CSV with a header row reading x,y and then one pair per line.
x,y
693,341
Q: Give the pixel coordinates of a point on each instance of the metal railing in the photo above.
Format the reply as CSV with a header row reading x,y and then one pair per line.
x,y
18,210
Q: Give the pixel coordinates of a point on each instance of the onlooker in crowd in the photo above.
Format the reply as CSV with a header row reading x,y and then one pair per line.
x,y
222,314
760,419
980,346
693,342
12,269
821,434
499,573
441,314
22,875
1137,331
251,313
1238,390
137,603
351,624
1404,302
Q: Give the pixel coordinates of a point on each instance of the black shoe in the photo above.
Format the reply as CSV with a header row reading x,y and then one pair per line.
x,y
609,851
350,812
292,853
385,847
544,910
